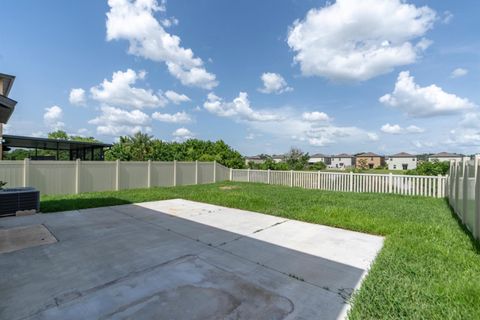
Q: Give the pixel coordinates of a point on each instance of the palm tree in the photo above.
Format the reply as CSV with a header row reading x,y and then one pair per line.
x,y
141,144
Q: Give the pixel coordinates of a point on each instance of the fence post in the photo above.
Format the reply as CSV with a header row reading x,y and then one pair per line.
x,y
231,174
77,176
174,173
390,182
149,174
291,178
26,171
465,189
318,179
268,176
476,159
450,182
117,175
457,187
351,182
476,228
214,170
439,185
196,171
248,175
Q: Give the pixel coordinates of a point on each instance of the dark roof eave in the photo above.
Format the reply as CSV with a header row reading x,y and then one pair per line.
x,y
10,79
7,106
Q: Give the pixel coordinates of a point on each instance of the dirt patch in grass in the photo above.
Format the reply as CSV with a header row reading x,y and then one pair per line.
x,y
229,187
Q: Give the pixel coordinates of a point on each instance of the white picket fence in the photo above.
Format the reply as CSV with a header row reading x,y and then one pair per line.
x,y
464,193
429,186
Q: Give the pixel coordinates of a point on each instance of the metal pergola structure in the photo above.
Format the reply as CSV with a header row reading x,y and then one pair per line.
x,y
77,149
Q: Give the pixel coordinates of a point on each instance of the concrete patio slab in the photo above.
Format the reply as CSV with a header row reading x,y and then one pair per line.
x,y
18,238
178,259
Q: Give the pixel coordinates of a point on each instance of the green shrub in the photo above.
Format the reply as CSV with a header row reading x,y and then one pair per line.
x,y
431,168
317,166
2,184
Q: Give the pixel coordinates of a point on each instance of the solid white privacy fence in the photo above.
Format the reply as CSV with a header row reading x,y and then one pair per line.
x,y
464,193
71,177
430,186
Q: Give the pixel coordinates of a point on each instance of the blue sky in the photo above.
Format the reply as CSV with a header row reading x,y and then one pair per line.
x,y
330,77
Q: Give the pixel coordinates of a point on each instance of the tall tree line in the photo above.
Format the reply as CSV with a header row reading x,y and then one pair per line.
x,y
143,147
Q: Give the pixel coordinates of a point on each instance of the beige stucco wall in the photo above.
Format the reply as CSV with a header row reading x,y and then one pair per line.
x,y
374,161
341,162
396,163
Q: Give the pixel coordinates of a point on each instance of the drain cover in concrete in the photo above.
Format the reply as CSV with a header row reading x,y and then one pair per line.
x,y
14,239
185,288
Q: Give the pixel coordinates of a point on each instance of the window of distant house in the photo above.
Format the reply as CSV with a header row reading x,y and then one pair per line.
x,y
414,159
394,166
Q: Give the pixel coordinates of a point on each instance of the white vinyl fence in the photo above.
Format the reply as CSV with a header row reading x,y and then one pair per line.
x,y
429,186
72,177
464,193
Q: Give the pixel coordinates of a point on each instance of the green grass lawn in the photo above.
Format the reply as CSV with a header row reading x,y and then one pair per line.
x,y
429,267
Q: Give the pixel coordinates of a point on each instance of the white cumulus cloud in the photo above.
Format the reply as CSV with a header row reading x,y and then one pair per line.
x,y
274,83
179,117
135,21
121,92
315,116
175,97
182,134
397,129
239,108
77,97
458,72
358,40
53,118
291,125
419,101
464,137
114,121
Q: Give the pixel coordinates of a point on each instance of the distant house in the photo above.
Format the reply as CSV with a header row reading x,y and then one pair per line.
x,y
341,161
369,159
445,156
254,159
402,161
278,158
318,157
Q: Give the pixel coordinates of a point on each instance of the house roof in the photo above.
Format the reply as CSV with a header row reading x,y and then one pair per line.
x,y
446,155
254,157
276,156
402,155
343,155
7,83
368,154
7,106
318,155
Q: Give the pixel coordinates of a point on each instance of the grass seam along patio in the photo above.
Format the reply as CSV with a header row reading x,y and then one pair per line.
x,y
429,267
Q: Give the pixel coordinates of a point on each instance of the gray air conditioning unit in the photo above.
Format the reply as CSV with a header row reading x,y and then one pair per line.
x,y
13,200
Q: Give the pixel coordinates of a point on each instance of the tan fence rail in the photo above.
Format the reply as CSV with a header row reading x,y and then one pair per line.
x,y
71,177
464,193
429,186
